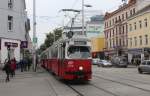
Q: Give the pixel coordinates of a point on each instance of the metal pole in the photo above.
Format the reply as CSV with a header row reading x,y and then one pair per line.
x,y
83,17
54,37
34,35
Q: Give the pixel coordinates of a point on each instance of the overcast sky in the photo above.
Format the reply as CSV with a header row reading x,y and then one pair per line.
x,y
48,15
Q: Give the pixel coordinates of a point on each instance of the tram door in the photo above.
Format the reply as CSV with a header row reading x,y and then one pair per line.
x,y
62,58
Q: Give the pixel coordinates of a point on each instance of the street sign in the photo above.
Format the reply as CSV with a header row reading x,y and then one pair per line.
x,y
24,44
35,40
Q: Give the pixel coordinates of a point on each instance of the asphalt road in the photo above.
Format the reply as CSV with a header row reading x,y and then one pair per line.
x,y
105,82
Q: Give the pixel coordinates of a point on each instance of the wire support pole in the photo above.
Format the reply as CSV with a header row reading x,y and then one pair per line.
x,y
83,33
34,35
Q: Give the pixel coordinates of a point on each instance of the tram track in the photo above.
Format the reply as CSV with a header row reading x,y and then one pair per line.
x,y
122,83
51,88
79,93
95,86
141,82
109,92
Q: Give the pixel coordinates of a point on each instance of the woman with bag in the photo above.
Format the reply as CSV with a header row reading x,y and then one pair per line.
x,y
13,67
7,69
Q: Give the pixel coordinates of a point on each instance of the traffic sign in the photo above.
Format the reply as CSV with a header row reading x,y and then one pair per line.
x,y
35,40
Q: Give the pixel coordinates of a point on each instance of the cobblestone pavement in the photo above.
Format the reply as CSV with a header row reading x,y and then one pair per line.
x,y
105,82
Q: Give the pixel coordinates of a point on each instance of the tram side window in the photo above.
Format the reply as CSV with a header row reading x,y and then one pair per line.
x,y
63,50
55,52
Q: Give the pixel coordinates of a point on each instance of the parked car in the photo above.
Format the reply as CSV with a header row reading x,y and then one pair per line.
x,y
144,67
104,63
95,61
119,61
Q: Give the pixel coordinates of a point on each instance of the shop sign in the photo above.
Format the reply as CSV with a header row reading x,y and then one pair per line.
x,y
11,44
24,44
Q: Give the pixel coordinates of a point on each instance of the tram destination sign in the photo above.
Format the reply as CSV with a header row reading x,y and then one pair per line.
x,y
80,42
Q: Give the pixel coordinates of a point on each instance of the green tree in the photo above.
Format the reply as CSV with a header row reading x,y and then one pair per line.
x,y
50,39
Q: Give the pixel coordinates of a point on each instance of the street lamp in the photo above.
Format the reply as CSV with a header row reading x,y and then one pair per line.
x,y
83,5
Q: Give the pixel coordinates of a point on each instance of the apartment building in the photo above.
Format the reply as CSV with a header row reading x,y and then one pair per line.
x,y
14,27
116,28
139,35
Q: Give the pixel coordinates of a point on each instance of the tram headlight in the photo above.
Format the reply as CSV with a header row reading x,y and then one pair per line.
x,y
80,68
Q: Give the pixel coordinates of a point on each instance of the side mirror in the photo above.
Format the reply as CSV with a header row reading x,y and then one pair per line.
x,y
70,34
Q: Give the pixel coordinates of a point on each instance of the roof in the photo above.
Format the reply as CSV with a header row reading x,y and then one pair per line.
x,y
145,9
124,7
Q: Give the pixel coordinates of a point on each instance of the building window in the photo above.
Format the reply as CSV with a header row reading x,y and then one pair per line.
x,y
116,41
119,29
123,43
113,42
140,37
116,20
110,43
110,33
135,25
135,41
126,15
113,21
126,28
110,23
130,12
120,42
123,29
119,18
116,30
107,44
113,32
145,22
140,23
130,27
146,39
122,16
10,23
133,10
130,42
10,4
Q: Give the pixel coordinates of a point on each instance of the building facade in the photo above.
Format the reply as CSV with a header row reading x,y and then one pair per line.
x,y
14,27
95,27
116,27
98,45
139,35
95,31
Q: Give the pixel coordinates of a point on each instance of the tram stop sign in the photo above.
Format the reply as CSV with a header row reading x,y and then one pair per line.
x,y
35,40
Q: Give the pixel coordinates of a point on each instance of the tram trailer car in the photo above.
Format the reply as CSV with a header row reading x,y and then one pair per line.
x,y
69,59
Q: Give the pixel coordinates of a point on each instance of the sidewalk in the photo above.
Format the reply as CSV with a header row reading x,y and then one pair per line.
x,y
25,84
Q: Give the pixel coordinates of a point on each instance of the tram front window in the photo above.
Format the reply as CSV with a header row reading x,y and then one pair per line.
x,y
82,52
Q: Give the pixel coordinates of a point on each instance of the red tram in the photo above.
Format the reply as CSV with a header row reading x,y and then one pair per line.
x,y
69,59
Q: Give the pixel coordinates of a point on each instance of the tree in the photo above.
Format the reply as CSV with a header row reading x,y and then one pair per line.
x,y
50,39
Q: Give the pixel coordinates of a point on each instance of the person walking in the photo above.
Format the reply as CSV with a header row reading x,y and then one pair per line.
x,y
21,65
7,69
29,61
13,67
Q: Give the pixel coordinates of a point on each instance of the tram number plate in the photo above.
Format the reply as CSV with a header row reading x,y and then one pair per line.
x,y
80,43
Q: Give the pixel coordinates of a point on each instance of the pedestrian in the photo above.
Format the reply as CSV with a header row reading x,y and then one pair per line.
x,y
25,64
13,67
7,69
132,61
29,63
22,65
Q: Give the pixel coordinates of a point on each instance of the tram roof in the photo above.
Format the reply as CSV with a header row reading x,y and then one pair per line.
x,y
63,40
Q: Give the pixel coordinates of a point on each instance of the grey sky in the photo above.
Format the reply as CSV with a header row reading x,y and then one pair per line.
x,y
48,16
